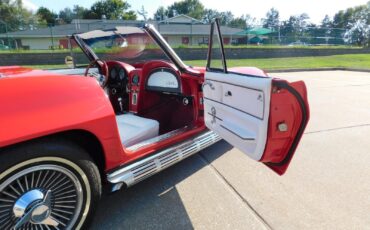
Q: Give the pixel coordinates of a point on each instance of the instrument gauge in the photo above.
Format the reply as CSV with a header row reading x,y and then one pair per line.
x,y
135,79
113,73
122,74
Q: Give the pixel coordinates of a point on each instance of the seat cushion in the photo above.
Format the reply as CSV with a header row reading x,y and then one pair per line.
x,y
134,129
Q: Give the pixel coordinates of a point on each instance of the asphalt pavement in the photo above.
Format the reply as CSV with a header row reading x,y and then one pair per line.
x,y
326,187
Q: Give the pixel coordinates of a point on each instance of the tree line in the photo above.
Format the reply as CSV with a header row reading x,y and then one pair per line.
x,y
352,24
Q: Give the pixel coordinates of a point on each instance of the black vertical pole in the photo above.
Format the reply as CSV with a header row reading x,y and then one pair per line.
x,y
52,38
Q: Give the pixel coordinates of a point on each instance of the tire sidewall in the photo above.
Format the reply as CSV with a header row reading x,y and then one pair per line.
x,y
63,154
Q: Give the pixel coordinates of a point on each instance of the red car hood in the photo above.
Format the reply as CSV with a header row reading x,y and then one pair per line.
x,y
19,71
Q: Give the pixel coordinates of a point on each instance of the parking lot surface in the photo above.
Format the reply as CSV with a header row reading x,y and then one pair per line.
x,y
326,187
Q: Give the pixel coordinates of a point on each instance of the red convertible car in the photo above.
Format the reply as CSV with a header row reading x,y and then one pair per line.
x,y
135,110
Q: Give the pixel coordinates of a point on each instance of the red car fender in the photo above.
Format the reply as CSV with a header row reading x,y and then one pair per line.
x,y
43,103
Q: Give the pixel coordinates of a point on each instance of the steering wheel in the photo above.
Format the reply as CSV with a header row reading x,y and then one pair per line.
x,y
102,76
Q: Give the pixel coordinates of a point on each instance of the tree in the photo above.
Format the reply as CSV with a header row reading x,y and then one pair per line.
x,y
326,22
226,17
326,28
46,15
192,8
243,22
161,14
66,15
344,18
295,27
15,16
143,13
129,15
272,19
111,9
239,22
355,21
359,28
210,14
79,12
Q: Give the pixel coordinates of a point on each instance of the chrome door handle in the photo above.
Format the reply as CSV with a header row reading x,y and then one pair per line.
x,y
213,114
208,83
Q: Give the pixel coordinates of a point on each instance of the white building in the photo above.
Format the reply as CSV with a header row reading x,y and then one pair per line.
x,y
179,30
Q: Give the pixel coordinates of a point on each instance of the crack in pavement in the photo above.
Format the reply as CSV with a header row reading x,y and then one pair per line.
x,y
335,129
339,86
233,189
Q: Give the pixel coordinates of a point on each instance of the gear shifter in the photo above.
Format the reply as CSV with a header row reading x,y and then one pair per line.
x,y
120,104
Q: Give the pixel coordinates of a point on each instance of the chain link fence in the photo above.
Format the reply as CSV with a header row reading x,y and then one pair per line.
x,y
48,37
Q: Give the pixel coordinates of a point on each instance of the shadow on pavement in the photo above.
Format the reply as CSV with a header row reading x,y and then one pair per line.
x,y
215,151
154,203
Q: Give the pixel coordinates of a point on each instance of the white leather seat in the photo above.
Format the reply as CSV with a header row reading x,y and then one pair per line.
x,y
134,129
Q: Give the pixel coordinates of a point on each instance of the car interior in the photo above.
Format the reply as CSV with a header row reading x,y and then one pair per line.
x,y
150,100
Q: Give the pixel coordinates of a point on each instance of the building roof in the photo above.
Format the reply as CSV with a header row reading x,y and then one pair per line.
x,y
203,29
77,26
181,19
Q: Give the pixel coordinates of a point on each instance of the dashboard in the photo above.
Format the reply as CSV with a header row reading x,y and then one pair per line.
x,y
118,74
163,80
126,84
117,86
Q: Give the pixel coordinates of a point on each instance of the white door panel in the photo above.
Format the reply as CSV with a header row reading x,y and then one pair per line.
x,y
252,82
244,99
237,108
249,94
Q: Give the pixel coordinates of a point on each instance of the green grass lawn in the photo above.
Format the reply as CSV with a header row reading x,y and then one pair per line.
x,y
361,61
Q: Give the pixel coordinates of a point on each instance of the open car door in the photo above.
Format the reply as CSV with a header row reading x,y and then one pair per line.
x,y
262,116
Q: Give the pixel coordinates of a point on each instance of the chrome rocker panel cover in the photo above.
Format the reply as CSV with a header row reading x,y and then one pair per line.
x,y
144,168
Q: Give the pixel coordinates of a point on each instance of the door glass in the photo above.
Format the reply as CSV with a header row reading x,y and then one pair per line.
x,y
215,59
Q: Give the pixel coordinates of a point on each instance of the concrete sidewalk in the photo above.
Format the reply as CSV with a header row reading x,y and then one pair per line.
x,y
326,187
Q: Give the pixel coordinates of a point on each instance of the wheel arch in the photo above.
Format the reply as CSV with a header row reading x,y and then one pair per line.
x,y
82,138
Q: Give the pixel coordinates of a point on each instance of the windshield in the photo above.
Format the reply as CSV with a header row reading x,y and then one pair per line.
x,y
127,44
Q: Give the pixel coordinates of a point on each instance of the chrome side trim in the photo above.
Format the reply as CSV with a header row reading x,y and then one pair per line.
x,y
149,166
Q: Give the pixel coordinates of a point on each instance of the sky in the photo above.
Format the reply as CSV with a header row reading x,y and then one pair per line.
x,y
316,9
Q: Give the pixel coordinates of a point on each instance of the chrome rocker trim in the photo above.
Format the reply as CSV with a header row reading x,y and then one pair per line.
x,y
149,166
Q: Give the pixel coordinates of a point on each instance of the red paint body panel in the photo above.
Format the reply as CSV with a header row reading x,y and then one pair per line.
x,y
284,107
36,103
44,103
248,70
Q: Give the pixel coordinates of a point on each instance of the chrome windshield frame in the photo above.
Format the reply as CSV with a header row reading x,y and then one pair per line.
x,y
153,33
171,54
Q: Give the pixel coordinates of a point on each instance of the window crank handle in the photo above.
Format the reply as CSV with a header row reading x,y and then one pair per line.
x,y
208,83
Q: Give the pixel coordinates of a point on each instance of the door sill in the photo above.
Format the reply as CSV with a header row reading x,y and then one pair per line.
x,y
162,137
146,167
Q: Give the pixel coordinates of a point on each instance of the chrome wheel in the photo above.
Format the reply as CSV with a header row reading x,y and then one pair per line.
x,y
45,196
